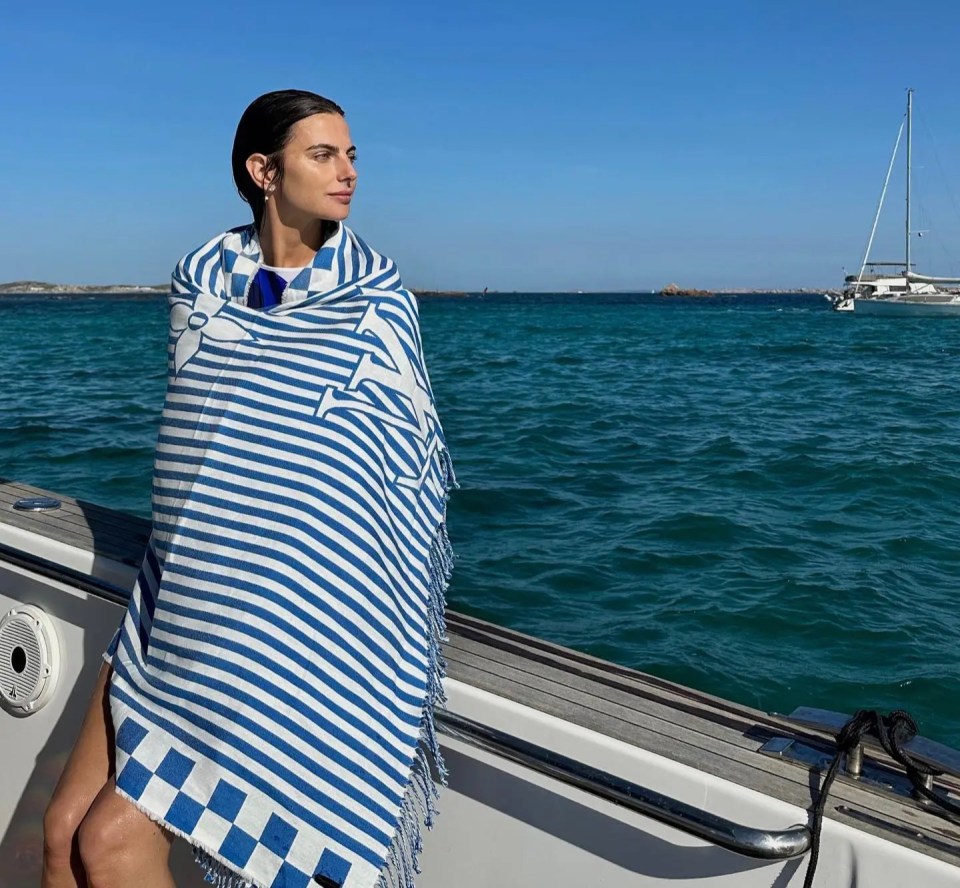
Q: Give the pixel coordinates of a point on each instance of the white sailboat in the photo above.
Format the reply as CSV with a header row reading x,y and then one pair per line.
x,y
877,291
565,770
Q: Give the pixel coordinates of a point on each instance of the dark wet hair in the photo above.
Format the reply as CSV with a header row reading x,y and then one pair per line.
x,y
264,128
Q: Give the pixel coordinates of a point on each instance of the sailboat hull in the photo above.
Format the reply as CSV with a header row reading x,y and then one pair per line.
x,y
903,308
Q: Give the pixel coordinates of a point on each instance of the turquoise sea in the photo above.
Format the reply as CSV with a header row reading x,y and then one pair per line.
x,y
751,495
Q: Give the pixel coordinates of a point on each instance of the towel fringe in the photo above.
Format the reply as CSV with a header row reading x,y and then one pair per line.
x,y
217,871
419,807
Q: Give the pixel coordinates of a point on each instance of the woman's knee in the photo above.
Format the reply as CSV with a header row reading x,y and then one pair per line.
x,y
61,821
84,775
100,840
117,841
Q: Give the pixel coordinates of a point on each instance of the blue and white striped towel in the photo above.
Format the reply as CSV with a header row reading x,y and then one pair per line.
x,y
276,671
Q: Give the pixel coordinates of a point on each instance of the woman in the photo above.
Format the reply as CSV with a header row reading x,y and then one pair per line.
x,y
269,694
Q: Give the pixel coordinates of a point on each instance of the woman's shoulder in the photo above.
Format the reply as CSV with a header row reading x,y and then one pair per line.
x,y
232,238
204,262
371,265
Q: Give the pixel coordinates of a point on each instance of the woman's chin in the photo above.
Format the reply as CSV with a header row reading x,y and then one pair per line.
x,y
336,213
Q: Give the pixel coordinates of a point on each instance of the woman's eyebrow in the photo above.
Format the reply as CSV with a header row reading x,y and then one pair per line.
x,y
333,149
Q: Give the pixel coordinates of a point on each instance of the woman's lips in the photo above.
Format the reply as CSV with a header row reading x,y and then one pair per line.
x,y
342,196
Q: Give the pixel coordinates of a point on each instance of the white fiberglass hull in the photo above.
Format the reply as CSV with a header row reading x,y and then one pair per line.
x,y
903,308
504,823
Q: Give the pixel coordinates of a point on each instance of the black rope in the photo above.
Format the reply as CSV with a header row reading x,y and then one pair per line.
x,y
893,731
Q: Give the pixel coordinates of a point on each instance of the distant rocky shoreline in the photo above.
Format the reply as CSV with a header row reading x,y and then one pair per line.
x,y
42,288
676,290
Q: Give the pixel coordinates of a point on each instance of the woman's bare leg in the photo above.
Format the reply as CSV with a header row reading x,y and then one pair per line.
x,y
121,847
93,837
88,768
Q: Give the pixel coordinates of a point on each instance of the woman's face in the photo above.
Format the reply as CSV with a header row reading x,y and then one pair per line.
x,y
319,177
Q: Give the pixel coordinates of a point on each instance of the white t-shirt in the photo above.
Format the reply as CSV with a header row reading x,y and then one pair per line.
x,y
288,274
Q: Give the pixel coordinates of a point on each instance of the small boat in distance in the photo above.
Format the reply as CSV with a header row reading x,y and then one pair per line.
x,y
901,292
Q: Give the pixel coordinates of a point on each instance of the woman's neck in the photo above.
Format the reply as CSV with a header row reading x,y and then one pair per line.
x,y
284,247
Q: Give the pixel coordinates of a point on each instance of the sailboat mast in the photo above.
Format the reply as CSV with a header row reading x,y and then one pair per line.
x,y
909,172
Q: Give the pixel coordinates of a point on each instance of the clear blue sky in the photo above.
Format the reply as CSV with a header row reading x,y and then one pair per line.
x,y
514,145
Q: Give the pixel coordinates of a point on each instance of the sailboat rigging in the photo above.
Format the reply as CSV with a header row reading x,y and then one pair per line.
x,y
876,291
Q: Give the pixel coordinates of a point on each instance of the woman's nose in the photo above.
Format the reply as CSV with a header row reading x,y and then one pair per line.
x,y
347,170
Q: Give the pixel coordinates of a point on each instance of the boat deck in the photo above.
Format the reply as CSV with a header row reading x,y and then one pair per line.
x,y
714,736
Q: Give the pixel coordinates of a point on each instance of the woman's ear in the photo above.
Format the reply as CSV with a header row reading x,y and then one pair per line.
x,y
258,166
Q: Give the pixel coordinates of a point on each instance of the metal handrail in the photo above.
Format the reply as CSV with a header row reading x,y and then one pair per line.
x,y
745,840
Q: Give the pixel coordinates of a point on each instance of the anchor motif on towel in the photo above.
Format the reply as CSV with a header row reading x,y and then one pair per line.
x,y
380,338
192,323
